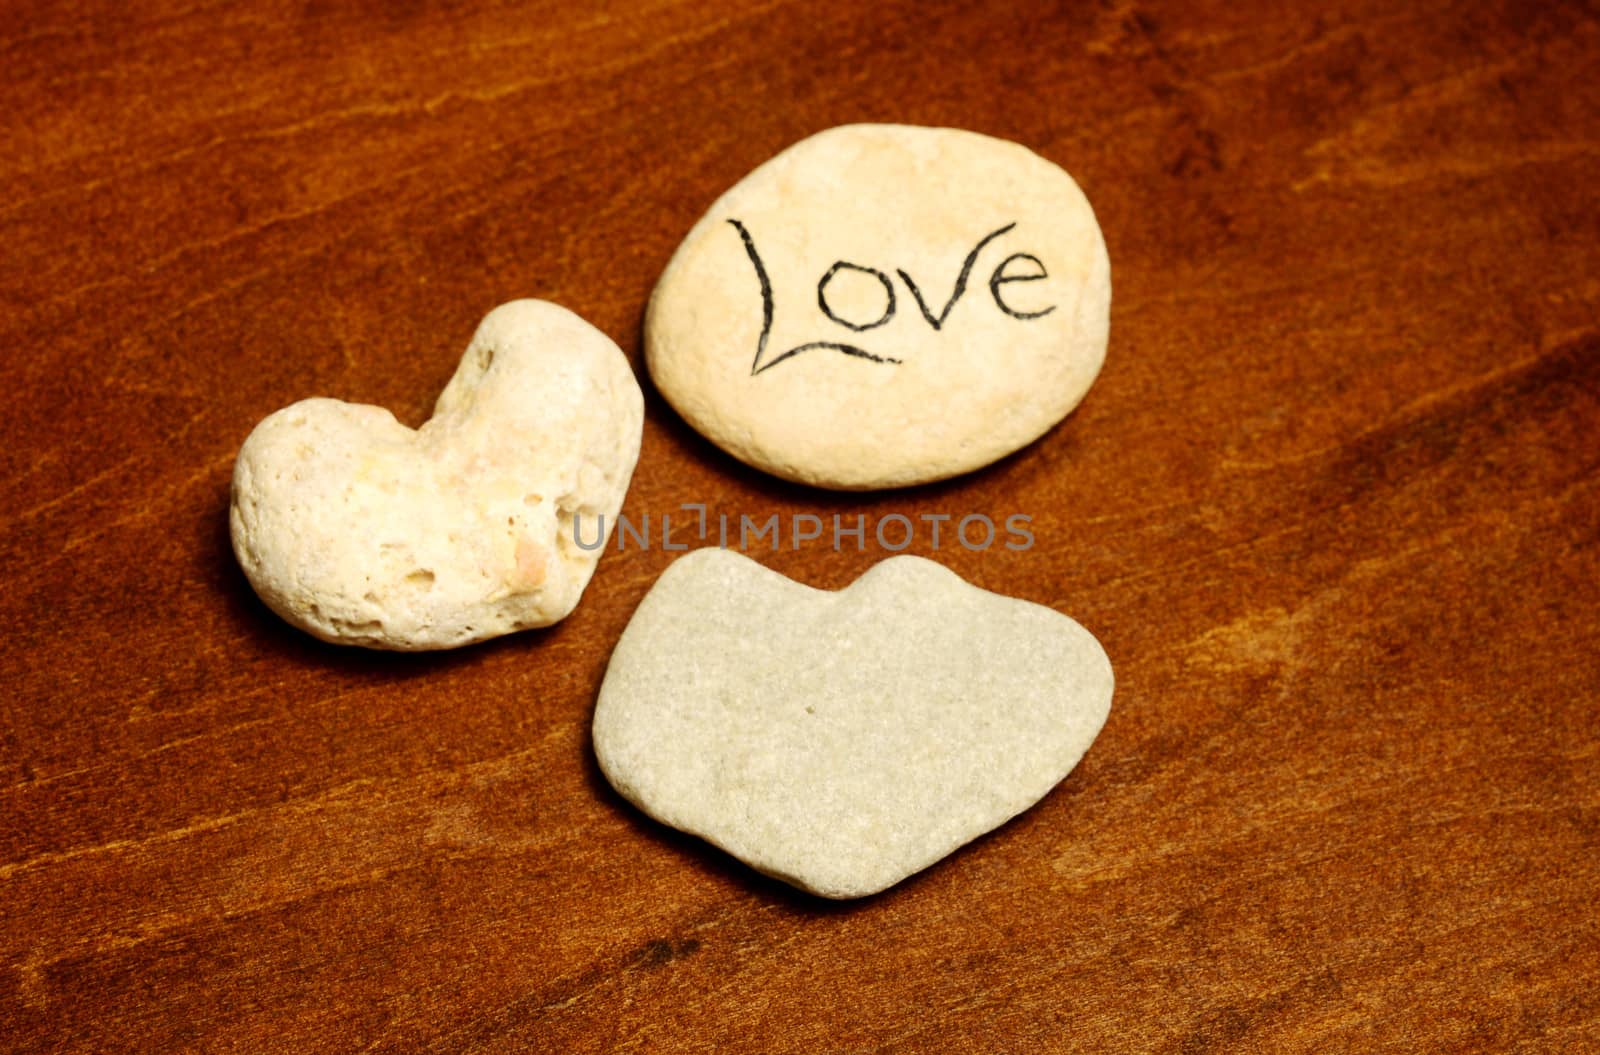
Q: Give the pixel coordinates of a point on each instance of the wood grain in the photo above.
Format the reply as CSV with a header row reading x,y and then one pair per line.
x,y
1332,508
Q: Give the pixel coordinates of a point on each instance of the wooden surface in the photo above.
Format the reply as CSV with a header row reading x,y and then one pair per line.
x,y
1332,508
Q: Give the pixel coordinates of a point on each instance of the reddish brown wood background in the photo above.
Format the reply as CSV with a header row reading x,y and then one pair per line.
x,y
1332,508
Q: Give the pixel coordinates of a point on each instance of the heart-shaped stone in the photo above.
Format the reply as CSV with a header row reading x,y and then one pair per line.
x,y
362,531
842,741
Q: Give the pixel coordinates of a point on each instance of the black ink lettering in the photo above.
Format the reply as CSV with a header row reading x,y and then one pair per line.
x,y
997,278
847,349
937,321
1000,276
822,295
766,294
756,365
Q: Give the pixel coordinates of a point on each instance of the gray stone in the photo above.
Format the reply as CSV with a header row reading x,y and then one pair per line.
x,y
842,741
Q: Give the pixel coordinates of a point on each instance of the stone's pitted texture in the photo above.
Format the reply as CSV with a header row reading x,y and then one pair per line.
x,y
843,741
883,305
362,531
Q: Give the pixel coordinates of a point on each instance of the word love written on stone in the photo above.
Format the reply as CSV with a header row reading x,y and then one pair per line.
x,y
1002,274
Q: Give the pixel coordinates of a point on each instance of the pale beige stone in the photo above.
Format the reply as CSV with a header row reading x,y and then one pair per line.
x,y
904,210
362,531
842,741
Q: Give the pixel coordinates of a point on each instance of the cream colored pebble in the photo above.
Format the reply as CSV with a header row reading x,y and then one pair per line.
x,y
362,531
883,305
842,741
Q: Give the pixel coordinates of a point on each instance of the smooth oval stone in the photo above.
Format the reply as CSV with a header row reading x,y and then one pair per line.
x,y
884,305
362,531
842,741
